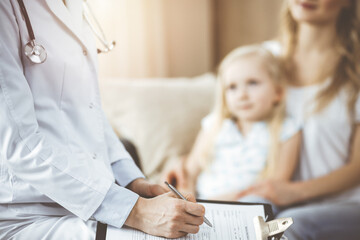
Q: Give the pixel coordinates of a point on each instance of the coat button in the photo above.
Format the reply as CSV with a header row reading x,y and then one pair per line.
x,y
91,105
94,156
85,52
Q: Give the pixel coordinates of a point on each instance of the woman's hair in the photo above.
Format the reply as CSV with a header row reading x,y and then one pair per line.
x,y
222,112
347,71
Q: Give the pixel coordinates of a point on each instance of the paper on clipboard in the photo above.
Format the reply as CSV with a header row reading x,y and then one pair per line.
x,y
230,221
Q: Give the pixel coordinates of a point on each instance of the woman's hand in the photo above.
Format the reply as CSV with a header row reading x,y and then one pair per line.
x,y
281,193
145,188
167,216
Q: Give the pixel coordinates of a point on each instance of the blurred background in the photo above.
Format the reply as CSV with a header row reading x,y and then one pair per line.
x,y
179,38
156,84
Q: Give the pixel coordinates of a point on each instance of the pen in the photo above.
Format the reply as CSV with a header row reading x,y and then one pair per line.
x,y
173,189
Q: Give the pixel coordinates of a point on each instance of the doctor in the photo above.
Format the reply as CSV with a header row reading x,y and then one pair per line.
x,y
62,167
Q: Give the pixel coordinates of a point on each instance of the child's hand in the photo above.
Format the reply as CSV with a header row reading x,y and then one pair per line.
x,y
279,192
231,196
176,176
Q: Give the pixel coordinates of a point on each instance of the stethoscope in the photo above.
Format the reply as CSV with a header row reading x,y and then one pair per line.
x,y
36,53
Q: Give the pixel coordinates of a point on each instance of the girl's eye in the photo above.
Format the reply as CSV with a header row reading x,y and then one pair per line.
x,y
232,87
253,82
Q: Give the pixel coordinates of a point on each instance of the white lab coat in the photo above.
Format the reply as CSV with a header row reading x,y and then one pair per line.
x,y
56,145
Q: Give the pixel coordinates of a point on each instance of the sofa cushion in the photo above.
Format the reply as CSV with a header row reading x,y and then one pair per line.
x,y
160,116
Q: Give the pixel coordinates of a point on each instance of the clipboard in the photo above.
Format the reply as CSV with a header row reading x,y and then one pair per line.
x,y
267,207
232,210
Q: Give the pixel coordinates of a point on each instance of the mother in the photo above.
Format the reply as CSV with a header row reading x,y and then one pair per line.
x,y
320,46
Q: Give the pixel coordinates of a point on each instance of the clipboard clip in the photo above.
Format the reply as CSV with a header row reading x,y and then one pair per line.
x,y
272,230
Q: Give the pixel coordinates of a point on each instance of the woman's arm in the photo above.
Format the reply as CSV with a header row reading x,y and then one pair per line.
x,y
284,193
288,158
341,179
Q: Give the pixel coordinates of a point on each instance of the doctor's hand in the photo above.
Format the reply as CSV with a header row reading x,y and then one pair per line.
x,y
166,216
145,188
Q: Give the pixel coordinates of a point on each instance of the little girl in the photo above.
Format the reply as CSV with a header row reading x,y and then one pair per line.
x,y
246,138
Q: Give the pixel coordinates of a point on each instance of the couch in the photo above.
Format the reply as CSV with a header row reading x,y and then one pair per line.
x,y
161,117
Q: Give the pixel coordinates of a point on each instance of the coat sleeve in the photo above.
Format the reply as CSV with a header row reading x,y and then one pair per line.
x,y
123,166
25,149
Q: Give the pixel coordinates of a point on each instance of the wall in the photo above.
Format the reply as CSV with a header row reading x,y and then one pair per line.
x,y
173,38
156,38
240,22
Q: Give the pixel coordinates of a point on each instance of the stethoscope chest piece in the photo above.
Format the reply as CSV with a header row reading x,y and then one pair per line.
x,y
35,52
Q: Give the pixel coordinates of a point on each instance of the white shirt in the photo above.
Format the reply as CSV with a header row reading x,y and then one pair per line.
x,y
326,135
237,160
56,146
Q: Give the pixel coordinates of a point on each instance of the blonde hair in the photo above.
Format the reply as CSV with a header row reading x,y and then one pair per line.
x,y
347,72
221,111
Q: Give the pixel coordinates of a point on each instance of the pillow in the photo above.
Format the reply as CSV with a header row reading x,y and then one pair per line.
x,y
160,116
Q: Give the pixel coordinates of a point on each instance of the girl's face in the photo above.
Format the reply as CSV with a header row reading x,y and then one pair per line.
x,y
250,93
316,11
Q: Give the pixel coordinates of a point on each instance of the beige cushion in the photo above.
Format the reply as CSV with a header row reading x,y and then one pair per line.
x,y
160,116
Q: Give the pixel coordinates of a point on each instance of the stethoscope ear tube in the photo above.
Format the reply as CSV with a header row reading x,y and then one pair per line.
x,y
97,29
27,20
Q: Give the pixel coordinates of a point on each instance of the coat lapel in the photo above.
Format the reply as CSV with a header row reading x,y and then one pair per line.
x,y
71,16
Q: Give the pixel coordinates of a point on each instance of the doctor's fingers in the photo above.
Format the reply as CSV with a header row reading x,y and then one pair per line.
x,y
189,196
193,220
188,228
189,207
179,229
182,219
195,209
